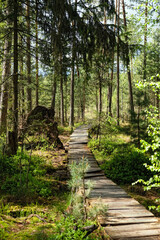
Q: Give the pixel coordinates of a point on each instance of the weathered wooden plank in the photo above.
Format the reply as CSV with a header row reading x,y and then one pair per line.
x,y
131,213
108,194
108,190
111,221
117,205
104,182
140,238
75,141
93,175
133,227
80,156
136,233
114,201
77,144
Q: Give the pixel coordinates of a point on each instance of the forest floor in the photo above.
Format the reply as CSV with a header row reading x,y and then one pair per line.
x,y
40,213
33,216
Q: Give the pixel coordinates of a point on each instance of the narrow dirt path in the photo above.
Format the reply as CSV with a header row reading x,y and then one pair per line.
x,y
126,218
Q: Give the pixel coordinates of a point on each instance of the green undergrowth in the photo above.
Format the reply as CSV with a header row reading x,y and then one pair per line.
x,y
117,155
65,130
35,197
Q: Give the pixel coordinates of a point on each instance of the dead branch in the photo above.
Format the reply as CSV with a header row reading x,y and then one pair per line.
x,y
35,215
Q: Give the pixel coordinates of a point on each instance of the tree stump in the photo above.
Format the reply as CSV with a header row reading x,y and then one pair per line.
x,y
41,121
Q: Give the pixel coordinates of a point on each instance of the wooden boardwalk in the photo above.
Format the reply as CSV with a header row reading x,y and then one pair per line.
x,y
126,218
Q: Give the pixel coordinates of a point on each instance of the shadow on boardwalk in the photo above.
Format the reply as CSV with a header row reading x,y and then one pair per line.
x,y
126,218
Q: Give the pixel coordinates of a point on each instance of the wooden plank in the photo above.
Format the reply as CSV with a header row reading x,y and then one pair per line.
x,y
141,238
74,143
110,221
108,190
131,213
104,182
133,227
119,206
137,233
114,201
94,169
107,194
93,175
79,155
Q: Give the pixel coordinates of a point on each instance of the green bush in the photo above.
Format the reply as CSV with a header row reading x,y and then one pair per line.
x,y
127,165
22,175
7,166
22,185
105,145
68,228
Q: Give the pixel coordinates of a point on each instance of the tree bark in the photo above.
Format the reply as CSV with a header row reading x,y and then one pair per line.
x,y
29,89
72,96
118,12
112,73
15,77
5,85
72,73
62,96
66,95
37,63
54,94
145,41
22,88
110,89
128,66
100,95
97,99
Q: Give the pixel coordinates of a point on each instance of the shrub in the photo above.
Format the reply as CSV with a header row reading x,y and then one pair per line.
x,y
22,175
7,166
68,228
127,165
105,145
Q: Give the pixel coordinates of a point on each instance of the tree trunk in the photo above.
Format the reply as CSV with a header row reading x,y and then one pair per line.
x,y
66,95
110,89
72,96
72,73
29,89
145,40
62,97
15,78
22,90
37,67
97,99
158,96
54,94
100,95
5,85
145,52
118,12
112,73
128,65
